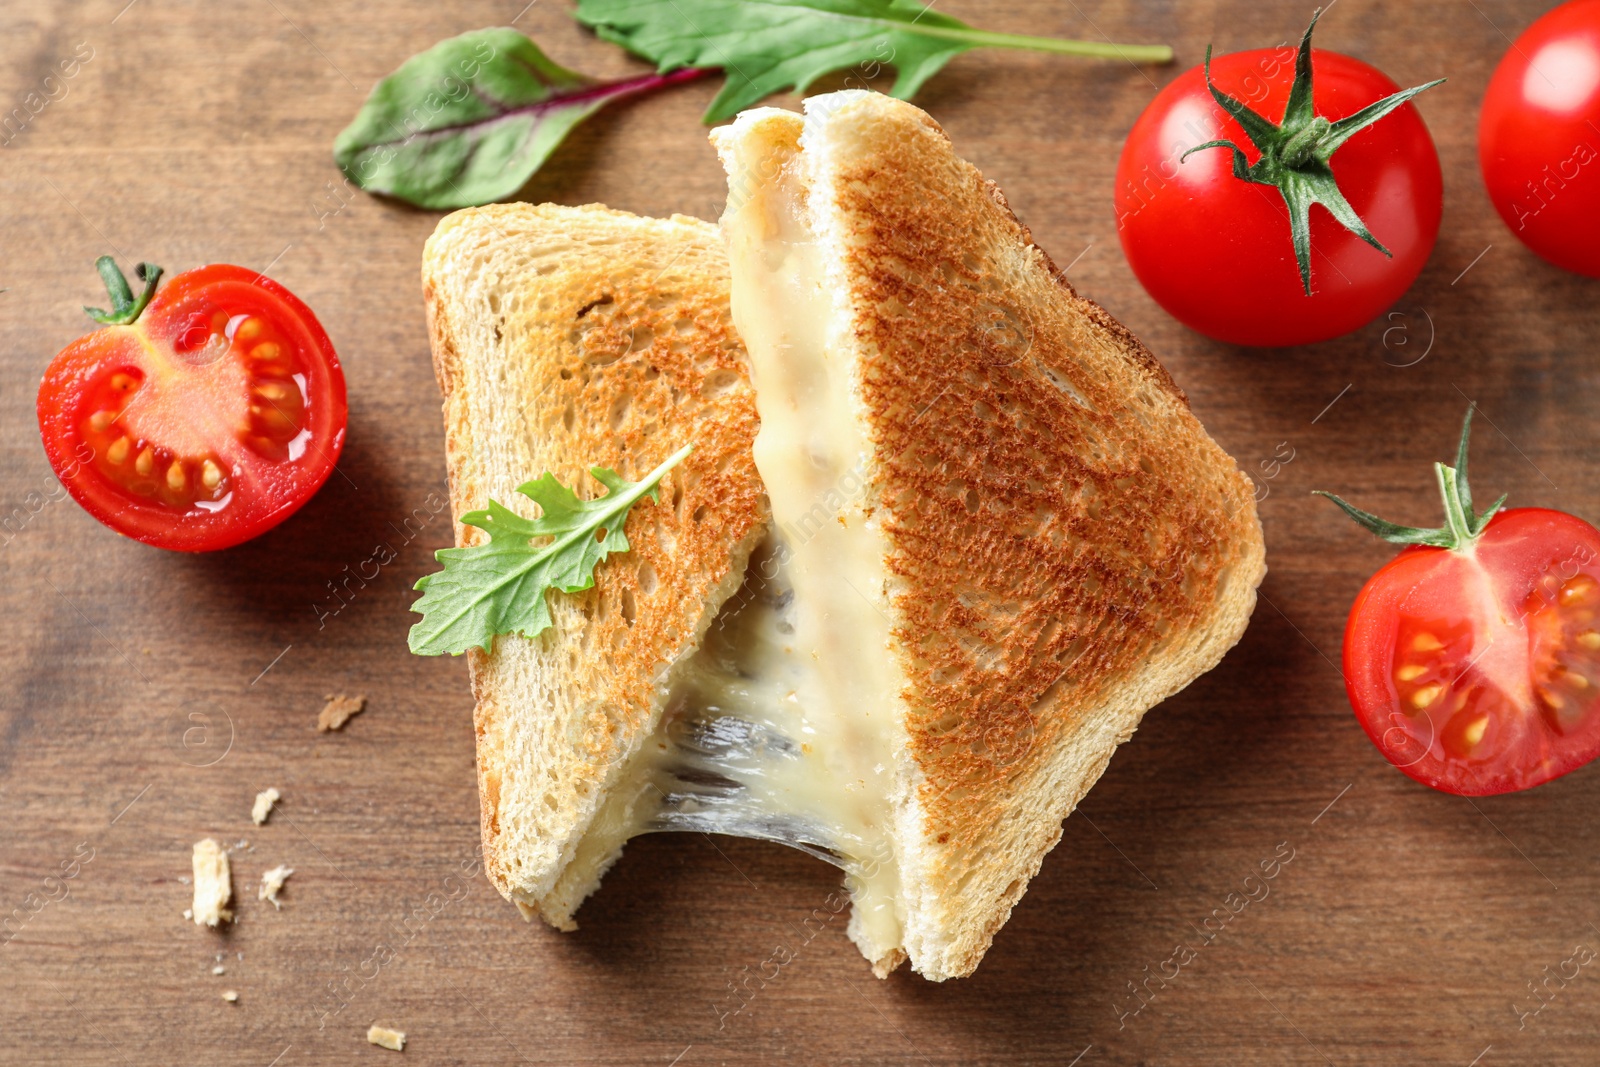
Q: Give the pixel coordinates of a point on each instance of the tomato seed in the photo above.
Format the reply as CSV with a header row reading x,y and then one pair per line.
x,y
1580,588
1589,639
1425,696
101,421
118,452
146,462
175,479
1426,642
1410,672
210,475
248,330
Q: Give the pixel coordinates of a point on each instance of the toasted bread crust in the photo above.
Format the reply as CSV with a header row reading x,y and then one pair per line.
x,y
567,338
1117,332
1068,547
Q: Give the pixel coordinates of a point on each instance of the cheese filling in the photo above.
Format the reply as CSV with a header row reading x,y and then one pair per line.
x,y
813,455
783,725
753,745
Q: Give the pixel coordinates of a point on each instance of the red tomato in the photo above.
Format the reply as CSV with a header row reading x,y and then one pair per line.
x,y
1539,137
1477,672
1215,251
1472,659
207,421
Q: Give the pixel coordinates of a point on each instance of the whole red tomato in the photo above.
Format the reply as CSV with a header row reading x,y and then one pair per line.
x,y
1539,137
197,419
1472,659
1224,251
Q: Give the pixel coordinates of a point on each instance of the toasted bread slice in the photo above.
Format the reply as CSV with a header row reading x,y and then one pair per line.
x,y
563,339
1046,544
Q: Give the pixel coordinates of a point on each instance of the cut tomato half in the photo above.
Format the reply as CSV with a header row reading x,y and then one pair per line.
x,y
202,422
1472,659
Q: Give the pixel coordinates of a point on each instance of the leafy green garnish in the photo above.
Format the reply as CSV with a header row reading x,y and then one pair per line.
x,y
470,120
767,46
498,587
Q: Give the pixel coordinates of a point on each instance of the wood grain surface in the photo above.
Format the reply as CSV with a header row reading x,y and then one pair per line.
x,y
147,696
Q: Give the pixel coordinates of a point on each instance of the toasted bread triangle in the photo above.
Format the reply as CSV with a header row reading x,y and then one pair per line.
x,y
563,339
1063,544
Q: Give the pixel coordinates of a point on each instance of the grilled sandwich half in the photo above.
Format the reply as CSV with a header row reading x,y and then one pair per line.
x,y
904,625
1046,544
563,339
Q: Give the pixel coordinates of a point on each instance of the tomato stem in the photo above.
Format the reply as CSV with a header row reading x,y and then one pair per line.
x,y
1294,152
125,309
1462,527
1458,523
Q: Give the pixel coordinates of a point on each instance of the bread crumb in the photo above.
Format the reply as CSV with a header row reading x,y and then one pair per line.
x,y
338,710
264,801
271,882
231,996
218,969
188,913
213,887
382,1035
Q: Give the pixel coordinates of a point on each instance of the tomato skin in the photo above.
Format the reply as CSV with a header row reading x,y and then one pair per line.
x,y
1215,251
1502,631
260,491
1539,137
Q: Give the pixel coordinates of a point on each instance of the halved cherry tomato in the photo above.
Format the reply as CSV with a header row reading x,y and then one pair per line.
x,y
202,422
1472,659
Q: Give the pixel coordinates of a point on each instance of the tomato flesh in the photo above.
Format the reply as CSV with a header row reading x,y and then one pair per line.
x,y
1478,672
208,421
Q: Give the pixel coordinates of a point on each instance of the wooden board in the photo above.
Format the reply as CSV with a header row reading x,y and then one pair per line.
x,y
147,697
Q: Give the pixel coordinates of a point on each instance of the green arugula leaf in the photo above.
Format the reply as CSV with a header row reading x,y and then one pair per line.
x,y
470,120
767,46
498,587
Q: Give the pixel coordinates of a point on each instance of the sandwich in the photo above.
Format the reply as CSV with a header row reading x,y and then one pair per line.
x,y
564,338
947,530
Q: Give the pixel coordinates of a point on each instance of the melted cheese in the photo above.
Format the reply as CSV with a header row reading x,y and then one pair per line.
x,y
783,725
813,456
753,745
